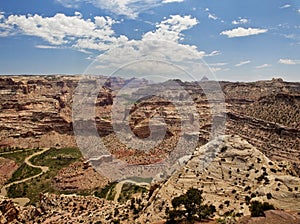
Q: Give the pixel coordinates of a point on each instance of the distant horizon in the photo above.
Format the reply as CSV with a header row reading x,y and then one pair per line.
x,y
77,75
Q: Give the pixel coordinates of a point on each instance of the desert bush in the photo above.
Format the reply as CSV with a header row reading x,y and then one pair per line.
x,y
257,208
189,207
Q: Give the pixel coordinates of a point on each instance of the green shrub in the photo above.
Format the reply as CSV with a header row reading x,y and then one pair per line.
x,y
106,192
257,208
188,207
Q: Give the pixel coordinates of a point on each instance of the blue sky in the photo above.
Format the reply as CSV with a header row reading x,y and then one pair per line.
x,y
238,40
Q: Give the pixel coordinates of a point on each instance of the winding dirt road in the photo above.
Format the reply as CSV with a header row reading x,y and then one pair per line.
x,y
119,186
44,169
10,152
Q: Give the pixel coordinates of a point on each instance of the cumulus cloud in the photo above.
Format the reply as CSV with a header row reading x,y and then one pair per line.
x,y
170,29
97,34
62,29
263,66
243,32
285,6
5,29
289,61
164,43
151,58
240,21
242,63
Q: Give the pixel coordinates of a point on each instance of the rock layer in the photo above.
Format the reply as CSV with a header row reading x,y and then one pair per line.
x,y
36,111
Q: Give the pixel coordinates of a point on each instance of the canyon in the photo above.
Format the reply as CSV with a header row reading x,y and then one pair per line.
x,y
247,144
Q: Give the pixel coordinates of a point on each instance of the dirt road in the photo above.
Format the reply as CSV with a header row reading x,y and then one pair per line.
x,y
44,169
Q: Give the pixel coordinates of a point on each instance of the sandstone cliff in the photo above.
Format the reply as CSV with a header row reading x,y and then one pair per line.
x,y
36,111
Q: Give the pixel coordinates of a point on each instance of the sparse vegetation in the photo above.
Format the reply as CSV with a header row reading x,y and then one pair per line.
x,y
107,191
55,159
269,195
257,208
23,172
188,207
128,190
19,156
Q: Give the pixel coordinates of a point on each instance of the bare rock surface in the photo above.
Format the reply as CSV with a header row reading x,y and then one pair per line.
x,y
273,217
36,111
78,176
65,209
231,173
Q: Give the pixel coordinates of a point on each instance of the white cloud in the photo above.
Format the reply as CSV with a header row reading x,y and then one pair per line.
x,y
69,3
87,34
263,66
170,1
160,40
242,63
211,16
243,32
218,64
289,61
1,15
216,67
170,29
240,21
213,53
47,47
61,29
5,29
285,6
146,53
78,14
162,44
298,10
129,8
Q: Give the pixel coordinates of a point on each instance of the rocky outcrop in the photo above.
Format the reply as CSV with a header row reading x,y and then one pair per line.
x,y
78,176
36,111
229,170
8,211
65,209
231,173
273,217
33,108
